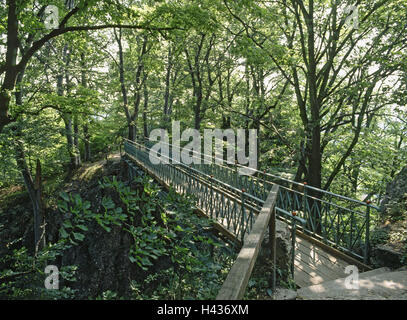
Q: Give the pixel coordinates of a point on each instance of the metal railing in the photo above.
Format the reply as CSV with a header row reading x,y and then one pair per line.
x,y
234,199
238,277
233,208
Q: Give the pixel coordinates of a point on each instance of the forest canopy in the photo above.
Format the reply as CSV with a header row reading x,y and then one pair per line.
x,y
322,81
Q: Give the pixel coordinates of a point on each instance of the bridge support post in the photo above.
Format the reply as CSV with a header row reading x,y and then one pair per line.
x,y
304,205
367,239
273,247
293,241
264,185
243,216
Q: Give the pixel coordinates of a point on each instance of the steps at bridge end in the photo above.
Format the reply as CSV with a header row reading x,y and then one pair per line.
x,y
379,284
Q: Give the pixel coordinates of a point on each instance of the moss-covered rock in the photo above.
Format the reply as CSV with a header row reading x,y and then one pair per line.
x,y
389,241
394,204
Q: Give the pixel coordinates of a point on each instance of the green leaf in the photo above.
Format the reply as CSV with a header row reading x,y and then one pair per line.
x,y
63,233
62,206
82,227
107,203
67,224
108,229
86,205
64,196
78,236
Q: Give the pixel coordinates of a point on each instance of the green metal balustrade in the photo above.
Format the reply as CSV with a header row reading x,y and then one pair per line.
x,y
234,200
231,207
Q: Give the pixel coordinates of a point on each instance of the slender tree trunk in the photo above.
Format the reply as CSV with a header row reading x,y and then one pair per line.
x,y
167,88
145,108
77,152
87,154
314,157
34,191
11,73
69,140
71,127
85,128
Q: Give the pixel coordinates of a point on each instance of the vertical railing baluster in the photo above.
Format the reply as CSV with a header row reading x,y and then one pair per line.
x,y
243,211
211,195
307,215
293,242
328,210
367,235
264,184
351,230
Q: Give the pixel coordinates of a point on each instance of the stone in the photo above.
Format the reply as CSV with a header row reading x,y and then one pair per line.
x,y
285,294
388,241
383,286
283,249
396,194
384,255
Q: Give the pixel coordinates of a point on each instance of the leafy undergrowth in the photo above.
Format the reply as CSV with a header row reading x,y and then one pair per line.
x,y
114,239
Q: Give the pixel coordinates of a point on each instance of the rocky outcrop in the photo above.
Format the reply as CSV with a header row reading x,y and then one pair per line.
x,y
283,249
387,255
283,245
394,204
389,241
285,294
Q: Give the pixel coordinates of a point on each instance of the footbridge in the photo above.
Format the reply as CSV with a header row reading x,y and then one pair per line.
x,y
328,231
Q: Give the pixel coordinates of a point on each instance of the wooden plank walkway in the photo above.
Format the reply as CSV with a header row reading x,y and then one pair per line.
x,y
313,265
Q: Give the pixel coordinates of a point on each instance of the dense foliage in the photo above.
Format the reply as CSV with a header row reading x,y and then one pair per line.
x,y
172,252
324,86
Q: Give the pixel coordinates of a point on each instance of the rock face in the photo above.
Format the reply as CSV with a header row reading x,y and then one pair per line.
x,y
394,203
387,255
103,263
285,294
283,249
283,245
389,241
102,258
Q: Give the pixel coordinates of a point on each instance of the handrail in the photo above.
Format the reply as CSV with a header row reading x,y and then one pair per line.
x,y
216,202
335,220
200,173
238,277
299,184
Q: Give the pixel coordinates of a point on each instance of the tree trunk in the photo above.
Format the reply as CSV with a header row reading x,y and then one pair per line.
x,y
145,127
85,128
34,190
77,152
11,73
87,154
314,157
69,140
167,88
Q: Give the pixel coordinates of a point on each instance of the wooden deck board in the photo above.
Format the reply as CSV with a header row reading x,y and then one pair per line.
x,y
316,256
313,265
